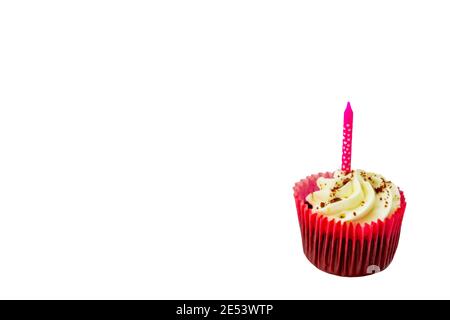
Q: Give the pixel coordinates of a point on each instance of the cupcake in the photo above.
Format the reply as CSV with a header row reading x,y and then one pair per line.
x,y
350,220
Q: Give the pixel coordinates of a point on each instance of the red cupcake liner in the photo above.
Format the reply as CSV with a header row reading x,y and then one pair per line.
x,y
347,249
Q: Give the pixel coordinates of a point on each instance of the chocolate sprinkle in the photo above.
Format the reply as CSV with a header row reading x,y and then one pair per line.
x,y
335,200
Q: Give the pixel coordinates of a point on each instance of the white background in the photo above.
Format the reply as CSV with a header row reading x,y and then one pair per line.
x,y
148,149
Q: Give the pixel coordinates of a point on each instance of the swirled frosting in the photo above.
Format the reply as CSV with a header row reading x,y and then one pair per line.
x,y
357,196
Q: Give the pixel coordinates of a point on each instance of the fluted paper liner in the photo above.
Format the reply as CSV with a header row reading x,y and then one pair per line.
x,y
348,249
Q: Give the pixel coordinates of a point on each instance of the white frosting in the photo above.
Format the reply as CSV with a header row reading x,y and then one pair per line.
x,y
357,196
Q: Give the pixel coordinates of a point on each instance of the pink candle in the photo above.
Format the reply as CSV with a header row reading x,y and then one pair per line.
x,y
347,140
